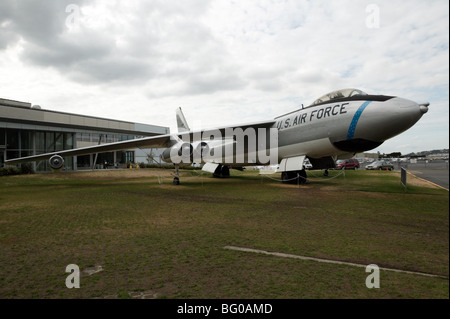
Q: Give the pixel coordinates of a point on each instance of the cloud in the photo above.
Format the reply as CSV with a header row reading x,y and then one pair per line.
x,y
130,40
221,60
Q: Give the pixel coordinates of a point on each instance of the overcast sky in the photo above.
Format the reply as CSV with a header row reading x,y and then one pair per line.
x,y
225,62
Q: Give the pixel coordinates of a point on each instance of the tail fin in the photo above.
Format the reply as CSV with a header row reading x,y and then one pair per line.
x,y
181,121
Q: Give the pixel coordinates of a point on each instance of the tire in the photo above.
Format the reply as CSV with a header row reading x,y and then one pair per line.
x,y
284,177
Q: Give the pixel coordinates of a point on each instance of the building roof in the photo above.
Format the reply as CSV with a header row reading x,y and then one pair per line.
x,y
23,113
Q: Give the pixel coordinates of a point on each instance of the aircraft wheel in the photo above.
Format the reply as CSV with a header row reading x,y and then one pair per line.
x,y
285,177
225,171
176,181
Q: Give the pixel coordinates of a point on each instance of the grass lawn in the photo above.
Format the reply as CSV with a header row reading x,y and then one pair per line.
x,y
168,241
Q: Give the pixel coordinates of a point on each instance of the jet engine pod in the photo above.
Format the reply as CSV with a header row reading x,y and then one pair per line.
x,y
185,151
179,153
201,151
56,162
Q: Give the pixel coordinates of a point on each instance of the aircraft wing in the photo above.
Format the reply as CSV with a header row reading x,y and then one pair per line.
x,y
159,141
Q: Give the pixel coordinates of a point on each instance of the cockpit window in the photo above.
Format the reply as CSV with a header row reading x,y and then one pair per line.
x,y
339,95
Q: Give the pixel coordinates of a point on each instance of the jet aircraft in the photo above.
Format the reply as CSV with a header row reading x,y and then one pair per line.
x,y
337,125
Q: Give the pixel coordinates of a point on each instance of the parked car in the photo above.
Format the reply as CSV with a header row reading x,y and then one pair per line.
x,y
350,163
307,164
381,165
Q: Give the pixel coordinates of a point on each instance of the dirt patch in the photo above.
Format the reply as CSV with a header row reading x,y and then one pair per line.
x,y
122,173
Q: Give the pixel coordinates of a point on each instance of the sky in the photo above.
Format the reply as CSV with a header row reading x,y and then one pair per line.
x,y
226,62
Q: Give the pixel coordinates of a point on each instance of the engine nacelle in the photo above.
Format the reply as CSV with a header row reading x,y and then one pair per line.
x,y
179,153
56,162
198,151
201,150
186,153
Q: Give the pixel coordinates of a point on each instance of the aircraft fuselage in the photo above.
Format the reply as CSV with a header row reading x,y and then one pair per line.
x,y
339,127
347,126
338,124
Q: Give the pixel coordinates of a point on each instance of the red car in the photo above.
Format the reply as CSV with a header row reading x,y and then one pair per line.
x,y
350,163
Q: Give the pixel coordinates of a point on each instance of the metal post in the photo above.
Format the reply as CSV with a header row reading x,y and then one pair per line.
x,y
96,154
403,177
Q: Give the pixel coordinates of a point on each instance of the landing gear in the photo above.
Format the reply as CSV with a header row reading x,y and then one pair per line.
x,y
176,179
284,177
222,171
294,177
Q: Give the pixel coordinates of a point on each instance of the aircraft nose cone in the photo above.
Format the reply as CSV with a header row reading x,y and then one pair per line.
x,y
410,112
389,119
424,107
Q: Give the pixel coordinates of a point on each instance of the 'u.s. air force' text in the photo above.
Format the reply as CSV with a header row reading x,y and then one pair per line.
x,y
317,114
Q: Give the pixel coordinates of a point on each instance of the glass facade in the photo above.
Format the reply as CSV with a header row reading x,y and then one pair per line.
x,y
21,143
102,138
2,145
27,131
119,159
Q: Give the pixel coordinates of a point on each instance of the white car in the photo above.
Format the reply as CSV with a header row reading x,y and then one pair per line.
x,y
307,164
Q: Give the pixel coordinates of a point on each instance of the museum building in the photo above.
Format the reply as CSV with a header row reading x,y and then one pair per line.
x,y
27,130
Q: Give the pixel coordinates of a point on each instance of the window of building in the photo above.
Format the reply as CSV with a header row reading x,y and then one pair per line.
x,y
2,137
26,143
59,141
105,160
68,141
84,161
12,144
12,139
129,156
49,141
40,142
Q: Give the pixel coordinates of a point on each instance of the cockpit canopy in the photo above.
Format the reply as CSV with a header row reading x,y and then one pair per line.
x,y
339,94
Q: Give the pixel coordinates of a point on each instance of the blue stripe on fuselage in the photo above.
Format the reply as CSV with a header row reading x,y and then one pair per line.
x,y
352,128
